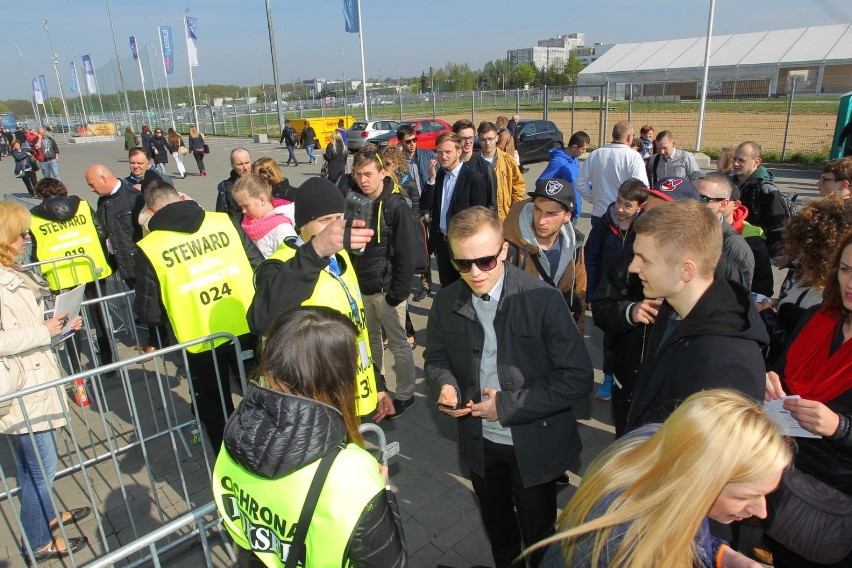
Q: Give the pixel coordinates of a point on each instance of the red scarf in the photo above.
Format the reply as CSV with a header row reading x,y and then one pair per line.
x,y
811,372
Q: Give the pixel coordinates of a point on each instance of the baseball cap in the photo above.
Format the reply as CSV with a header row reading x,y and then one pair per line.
x,y
675,189
555,189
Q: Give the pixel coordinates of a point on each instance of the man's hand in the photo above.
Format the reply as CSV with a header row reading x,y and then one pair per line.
x,y
449,397
645,311
813,416
487,408
433,168
384,408
773,387
330,240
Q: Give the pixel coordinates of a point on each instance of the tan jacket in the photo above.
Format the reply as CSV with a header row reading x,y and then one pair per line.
x,y
26,354
570,275
511,186
506,142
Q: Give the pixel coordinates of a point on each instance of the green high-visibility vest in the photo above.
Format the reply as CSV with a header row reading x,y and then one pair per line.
x,y
261,514
341,293
206,281
59,239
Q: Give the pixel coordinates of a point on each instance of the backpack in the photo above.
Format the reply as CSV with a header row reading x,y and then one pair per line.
x,y
293,137
422,261
788,201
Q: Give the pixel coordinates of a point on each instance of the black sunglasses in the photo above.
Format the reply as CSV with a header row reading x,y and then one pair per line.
x,y
373,155
485,264
409,140
705,199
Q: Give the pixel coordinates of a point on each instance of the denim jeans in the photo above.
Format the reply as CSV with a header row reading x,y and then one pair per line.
x,y
310,149
291,150
36,508
50,169
381,316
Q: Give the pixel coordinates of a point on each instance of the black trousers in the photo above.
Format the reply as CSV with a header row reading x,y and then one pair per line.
x,y
446,273
202,368
514,516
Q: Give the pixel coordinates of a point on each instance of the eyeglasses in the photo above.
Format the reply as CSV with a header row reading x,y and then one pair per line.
x,y
466,138
824,179
489,140
705,199
410,141
485,264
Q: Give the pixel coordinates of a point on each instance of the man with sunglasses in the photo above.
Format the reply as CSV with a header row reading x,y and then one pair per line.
x,y
450,190
506,360
715,193
418,167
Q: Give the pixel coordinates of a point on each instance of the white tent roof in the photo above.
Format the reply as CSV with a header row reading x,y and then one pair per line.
x,y
818,44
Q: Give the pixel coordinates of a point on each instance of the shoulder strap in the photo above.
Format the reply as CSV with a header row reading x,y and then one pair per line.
x,y
538,266
297,547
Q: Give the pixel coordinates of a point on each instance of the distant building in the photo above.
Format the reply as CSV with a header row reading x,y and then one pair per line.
x,y
756,64
589,54
553,51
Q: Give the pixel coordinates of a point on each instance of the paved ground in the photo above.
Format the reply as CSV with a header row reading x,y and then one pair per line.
x,y
440,517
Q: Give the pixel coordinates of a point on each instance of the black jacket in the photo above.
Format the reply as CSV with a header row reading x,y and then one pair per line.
x,y
163,148
765,206
273,435
717,345
336,159
387,264
225,202
184,217
469,191
544,370
117,217
486,169
286,135
829,459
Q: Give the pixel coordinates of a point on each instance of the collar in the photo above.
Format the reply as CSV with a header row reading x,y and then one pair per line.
x,y
494,293
116,188
455,171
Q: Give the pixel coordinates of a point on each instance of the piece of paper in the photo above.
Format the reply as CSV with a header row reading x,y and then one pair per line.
x,y
786,423
68,303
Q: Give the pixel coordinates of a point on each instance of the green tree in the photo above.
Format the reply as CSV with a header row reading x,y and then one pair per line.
x,y
572,69
522,75
496,72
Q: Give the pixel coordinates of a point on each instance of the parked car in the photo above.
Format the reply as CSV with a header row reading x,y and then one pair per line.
x,y
426,130
536,138
361,130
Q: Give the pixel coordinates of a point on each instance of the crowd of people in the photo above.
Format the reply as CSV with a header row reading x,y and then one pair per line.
x,y
676,270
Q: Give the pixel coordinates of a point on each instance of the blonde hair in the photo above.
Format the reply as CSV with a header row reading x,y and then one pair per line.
x,y
193,131
469,222
268,169
254,185
14,220
684,230
725,163
662,487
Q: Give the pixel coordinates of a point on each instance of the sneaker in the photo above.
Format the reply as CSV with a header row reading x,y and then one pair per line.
x,y
421,295
401,407
604,391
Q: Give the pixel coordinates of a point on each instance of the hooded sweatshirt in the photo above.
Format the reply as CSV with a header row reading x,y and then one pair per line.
x,y
765,205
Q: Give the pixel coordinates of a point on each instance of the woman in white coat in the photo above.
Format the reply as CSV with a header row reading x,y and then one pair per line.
x,y
26,360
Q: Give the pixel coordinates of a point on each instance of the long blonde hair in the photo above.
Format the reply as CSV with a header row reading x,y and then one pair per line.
x,y
268,169
193,131
663,486
14,220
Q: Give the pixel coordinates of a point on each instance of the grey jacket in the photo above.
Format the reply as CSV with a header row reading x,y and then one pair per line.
x,y
735,247
543,367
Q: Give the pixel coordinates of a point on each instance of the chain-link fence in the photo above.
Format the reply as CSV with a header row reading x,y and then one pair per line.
x,y
787,120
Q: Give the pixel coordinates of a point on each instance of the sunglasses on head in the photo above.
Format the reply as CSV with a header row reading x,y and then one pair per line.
x,y
372,155
485,263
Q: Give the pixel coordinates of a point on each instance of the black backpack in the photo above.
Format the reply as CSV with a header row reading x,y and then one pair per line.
x,y
422,261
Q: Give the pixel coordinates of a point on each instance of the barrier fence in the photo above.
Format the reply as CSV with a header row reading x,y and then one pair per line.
x,y
132,455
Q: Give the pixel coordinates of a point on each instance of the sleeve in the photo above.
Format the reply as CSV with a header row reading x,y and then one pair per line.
x,y
693,172
378,540
592,250
436,360
612,303
519,186
283,133
138,207
146,299
570,377
21,339
774,215
637,168
402,262
584,181
281,286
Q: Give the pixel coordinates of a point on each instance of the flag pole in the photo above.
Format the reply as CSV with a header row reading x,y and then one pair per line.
x,y
24,75
79,91
166,75
97,87
191,81
120,71
141,78
363,67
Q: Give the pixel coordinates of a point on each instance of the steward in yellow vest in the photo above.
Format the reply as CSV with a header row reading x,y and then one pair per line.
x,y
315,270
194,272
61,227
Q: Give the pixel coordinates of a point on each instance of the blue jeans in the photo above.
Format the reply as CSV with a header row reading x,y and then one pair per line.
x,y
291,150
310,149
50,169
36,508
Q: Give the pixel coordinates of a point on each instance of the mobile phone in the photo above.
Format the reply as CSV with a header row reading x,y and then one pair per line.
x,y
358,207
443,406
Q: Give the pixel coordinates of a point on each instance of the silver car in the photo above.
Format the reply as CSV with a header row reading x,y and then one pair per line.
x,y
363,130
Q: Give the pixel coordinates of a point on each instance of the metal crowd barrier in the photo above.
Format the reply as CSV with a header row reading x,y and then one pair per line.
x,y
135,457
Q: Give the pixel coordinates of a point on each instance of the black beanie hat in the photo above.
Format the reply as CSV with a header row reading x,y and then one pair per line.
x,y
316,198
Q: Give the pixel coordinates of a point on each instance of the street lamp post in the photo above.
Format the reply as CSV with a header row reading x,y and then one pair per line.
x,y
58,80
27,83
343,77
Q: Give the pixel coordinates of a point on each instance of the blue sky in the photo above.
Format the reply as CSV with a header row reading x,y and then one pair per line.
x,y
398,34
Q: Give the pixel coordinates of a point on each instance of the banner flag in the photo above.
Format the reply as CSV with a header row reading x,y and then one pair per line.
x,y
73,78
133,48
350,16
168,53
39,99
43,84
89,72
191,40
